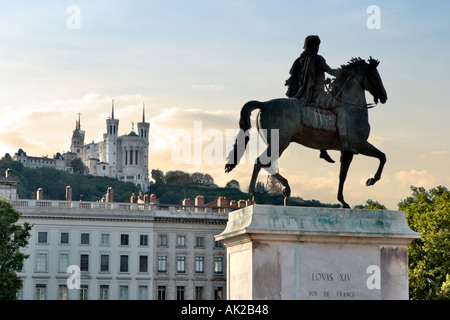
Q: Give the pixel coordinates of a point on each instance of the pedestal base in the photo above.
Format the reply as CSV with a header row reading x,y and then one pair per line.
x,y
316,253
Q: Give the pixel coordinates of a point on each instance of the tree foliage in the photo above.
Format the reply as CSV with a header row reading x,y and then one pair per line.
x,y
13,237
428,212
371,204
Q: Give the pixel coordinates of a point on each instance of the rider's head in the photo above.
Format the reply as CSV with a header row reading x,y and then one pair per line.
x,y
312,44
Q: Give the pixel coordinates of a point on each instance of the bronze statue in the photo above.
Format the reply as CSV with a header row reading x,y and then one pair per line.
x,y
307,83
313,120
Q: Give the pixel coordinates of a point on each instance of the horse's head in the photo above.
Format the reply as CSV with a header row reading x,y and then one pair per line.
x,y
366,74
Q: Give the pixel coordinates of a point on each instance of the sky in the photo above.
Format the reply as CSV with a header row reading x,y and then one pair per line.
x,y
195,63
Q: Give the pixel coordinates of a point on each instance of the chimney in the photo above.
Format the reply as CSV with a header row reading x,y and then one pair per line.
x,y
222,202
187,202
153,198
68,193
199,200
241,203
40,194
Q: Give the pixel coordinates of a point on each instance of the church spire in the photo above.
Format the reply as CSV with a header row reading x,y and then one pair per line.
x,y
78,127
112,111
143,112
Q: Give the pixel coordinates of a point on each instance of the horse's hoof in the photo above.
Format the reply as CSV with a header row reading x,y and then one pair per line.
x,y
370,182
345,206
286,192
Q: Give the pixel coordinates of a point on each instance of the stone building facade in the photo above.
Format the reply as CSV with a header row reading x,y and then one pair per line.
x,y
122,251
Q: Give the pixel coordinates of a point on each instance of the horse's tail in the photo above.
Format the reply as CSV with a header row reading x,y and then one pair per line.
x,y
243,136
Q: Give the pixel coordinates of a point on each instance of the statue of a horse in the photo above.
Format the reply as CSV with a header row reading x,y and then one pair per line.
x,y
314,128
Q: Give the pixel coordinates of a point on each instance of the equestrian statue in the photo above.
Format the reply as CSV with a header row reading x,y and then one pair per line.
x,y
333,117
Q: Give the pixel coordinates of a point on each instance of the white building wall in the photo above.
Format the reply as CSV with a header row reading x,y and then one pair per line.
x,y
120,219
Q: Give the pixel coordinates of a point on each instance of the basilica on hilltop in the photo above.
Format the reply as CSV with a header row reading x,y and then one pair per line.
x,y
123,157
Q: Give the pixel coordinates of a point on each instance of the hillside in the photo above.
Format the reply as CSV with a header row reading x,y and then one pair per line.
x,y
93,188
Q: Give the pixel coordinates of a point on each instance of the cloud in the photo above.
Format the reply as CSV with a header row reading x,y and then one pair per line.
x,y
416,178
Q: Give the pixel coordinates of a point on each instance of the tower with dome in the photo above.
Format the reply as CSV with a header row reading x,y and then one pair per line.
x,y
122,157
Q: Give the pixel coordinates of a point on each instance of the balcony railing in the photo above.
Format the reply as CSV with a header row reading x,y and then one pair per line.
x,y
109,206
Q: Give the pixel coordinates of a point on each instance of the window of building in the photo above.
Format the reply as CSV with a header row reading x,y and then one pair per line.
x,y
124,239
143,240
123,292
162,240
64,238
161,292
104,292
218,293
84,292
200,241
84,238
62,292
123,263
104,239
84,262
180,292
181,241
143,263
63,261
104,263
181,259
42,237
162,263
143,293
40,292
198,294
199,264
218,244
41,262
218,264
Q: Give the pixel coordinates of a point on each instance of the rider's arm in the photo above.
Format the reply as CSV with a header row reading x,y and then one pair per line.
x,y
334,72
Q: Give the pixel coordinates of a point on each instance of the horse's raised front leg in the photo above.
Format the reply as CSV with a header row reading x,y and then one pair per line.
x,y
369,150
346,159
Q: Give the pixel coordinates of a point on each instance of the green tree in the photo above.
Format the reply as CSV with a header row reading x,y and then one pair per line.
x,y
13,237
428,212
78,166
233,184
371,204
177,177
158,176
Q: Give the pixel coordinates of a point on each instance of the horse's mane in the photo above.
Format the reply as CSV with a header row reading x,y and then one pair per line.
x,y
353,62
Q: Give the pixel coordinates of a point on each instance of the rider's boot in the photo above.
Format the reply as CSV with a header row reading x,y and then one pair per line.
x,y
324,155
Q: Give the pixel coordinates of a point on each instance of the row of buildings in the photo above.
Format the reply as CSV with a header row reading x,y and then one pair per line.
x,y
141,250
122,157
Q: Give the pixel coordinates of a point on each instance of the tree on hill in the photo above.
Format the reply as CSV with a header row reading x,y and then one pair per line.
x,y
233,184
428,212
371,204
158,176
13,237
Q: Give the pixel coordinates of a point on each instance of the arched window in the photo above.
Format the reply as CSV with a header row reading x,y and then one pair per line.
x,y
131,157
136,161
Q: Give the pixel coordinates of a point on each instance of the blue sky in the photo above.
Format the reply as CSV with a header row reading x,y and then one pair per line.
x,y
203,60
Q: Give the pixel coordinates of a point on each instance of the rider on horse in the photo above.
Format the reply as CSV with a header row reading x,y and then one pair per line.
x,y
307,82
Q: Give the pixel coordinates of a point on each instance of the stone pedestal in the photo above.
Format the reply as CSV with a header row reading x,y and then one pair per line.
x,y
276,252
